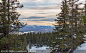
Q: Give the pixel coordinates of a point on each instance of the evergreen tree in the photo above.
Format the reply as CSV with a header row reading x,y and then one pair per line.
x,y
9,16
9,23
69,27
62,26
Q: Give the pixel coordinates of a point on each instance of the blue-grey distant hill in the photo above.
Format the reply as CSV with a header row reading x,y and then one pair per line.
x,y
36,28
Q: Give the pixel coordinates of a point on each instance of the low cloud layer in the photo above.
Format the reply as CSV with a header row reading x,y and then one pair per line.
x,y
33,17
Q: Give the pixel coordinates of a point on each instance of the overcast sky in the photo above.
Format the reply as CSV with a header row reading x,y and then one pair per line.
x,y
39,12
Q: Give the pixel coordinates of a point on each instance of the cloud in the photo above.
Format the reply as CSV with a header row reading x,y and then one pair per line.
x,y
38,13
39,8
33,17
40,1
38,17
43,7
41,4
39,23
43,20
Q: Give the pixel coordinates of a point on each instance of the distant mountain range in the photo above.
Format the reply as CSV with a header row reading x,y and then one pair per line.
x,y
36,28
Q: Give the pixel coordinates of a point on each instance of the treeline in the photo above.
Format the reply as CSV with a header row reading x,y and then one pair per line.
x,y
53,40
40,39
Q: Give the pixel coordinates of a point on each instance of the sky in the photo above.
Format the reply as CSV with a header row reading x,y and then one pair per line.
x,y
39,12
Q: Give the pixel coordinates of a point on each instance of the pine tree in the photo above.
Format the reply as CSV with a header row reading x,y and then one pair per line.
x,y
9,23
84,14
9,16
62,26
69,27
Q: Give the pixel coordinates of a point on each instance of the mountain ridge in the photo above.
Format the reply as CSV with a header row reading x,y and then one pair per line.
x,y
37,28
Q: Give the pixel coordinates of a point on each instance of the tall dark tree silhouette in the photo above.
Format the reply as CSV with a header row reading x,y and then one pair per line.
x,y
9,22
69,27
9,16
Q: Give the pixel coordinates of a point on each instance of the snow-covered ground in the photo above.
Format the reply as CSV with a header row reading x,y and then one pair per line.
x,y
43,49
39,50
80,49
83,47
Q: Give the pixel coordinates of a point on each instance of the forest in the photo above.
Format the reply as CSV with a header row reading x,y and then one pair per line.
x,y
70,28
